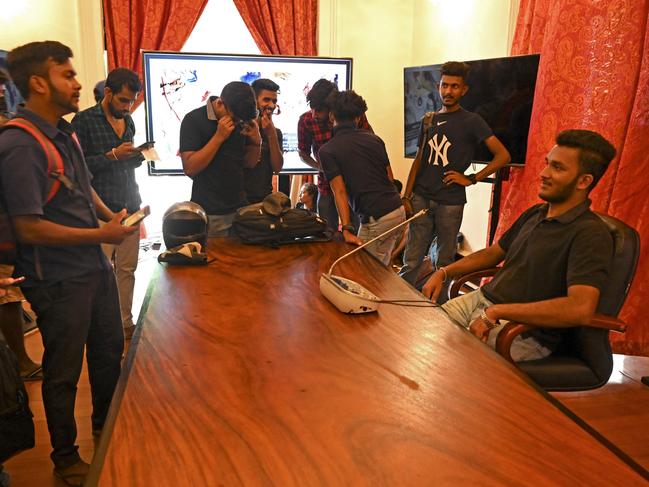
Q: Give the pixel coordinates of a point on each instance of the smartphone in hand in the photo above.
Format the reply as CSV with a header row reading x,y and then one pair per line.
x,y
136,217
147,145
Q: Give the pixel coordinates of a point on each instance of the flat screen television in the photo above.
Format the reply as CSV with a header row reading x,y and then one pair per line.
x,y
176,83
501,90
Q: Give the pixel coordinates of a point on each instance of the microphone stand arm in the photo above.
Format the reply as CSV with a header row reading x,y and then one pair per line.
x,y
416,215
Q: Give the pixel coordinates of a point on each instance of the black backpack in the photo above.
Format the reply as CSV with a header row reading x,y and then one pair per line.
x,y
16,423
253,225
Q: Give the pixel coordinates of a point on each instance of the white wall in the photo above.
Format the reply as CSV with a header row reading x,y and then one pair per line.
x,y
378,36
75,23
384,36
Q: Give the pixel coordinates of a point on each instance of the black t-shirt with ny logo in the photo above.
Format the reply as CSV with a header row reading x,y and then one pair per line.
x,y
451,143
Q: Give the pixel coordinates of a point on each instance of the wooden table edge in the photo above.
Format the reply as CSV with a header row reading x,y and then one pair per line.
x,y
101,449
99,456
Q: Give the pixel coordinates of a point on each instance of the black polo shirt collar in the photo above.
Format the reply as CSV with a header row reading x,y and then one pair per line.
x,y
568,216
344,127
63,127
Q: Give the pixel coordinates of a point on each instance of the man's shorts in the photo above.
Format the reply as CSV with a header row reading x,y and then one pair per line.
x,y
14,294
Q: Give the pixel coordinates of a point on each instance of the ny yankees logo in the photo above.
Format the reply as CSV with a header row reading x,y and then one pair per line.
x,y
440,148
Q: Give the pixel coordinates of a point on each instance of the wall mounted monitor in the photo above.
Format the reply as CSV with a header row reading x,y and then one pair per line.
x,y
176,83
500,90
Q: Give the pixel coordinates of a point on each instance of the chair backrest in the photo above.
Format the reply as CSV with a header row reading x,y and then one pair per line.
x,y
585,360
625,261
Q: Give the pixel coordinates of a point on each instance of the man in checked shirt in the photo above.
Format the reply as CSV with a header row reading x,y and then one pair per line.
x,y
314,129
106,133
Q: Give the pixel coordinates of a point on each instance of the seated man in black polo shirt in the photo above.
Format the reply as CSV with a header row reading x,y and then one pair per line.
x,y
358,170
216,142
556,256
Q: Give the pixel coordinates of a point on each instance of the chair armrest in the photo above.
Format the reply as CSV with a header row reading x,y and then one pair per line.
x,y
458,282
506,336
608,322
511,330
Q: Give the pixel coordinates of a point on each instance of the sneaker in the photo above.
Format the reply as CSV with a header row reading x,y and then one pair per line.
x,y
74,475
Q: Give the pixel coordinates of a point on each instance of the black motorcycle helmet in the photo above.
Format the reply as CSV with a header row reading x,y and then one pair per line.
x,y
183,223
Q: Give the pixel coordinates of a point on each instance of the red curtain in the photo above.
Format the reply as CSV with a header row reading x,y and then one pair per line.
x,y
593,74
133,25
285,27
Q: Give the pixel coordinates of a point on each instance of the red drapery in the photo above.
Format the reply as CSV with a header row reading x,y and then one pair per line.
x,y
593,74
285,27
133,25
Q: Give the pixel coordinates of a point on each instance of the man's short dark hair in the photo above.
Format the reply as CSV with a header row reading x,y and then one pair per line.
x,y
31,59
311,189
264,84
319,96
456,68
347,105
239,99
98,90
595,152
119,77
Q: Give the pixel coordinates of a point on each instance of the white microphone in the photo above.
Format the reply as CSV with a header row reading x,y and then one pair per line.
x,y
349,296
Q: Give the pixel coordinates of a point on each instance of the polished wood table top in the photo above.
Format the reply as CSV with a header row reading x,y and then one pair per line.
x,y
243,374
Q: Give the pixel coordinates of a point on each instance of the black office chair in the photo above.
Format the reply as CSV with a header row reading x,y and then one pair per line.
x,y
584,360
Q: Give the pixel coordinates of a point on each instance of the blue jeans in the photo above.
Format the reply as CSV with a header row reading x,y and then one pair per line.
x,y
442,223
327,210
382,248
468,307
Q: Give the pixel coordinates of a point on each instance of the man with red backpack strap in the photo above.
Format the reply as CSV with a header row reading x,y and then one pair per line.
x,y
68,280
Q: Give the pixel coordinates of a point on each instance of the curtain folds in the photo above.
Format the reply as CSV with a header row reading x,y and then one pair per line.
x,y
285,27
593,74
134,25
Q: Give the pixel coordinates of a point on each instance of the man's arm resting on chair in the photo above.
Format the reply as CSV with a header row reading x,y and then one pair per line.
x,y
577,308
480,260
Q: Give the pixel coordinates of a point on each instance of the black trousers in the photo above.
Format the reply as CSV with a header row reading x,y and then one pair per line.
x,y
77,313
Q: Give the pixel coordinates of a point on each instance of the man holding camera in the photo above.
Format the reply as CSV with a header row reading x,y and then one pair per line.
x,y
216,142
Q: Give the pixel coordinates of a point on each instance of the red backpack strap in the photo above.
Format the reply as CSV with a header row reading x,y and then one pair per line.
x,y
54,160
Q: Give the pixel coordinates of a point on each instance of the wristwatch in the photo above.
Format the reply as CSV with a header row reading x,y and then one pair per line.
x,y
349,228
490,324
472,178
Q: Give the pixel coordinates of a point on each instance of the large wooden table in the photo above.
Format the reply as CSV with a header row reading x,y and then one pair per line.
x,y
242,374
